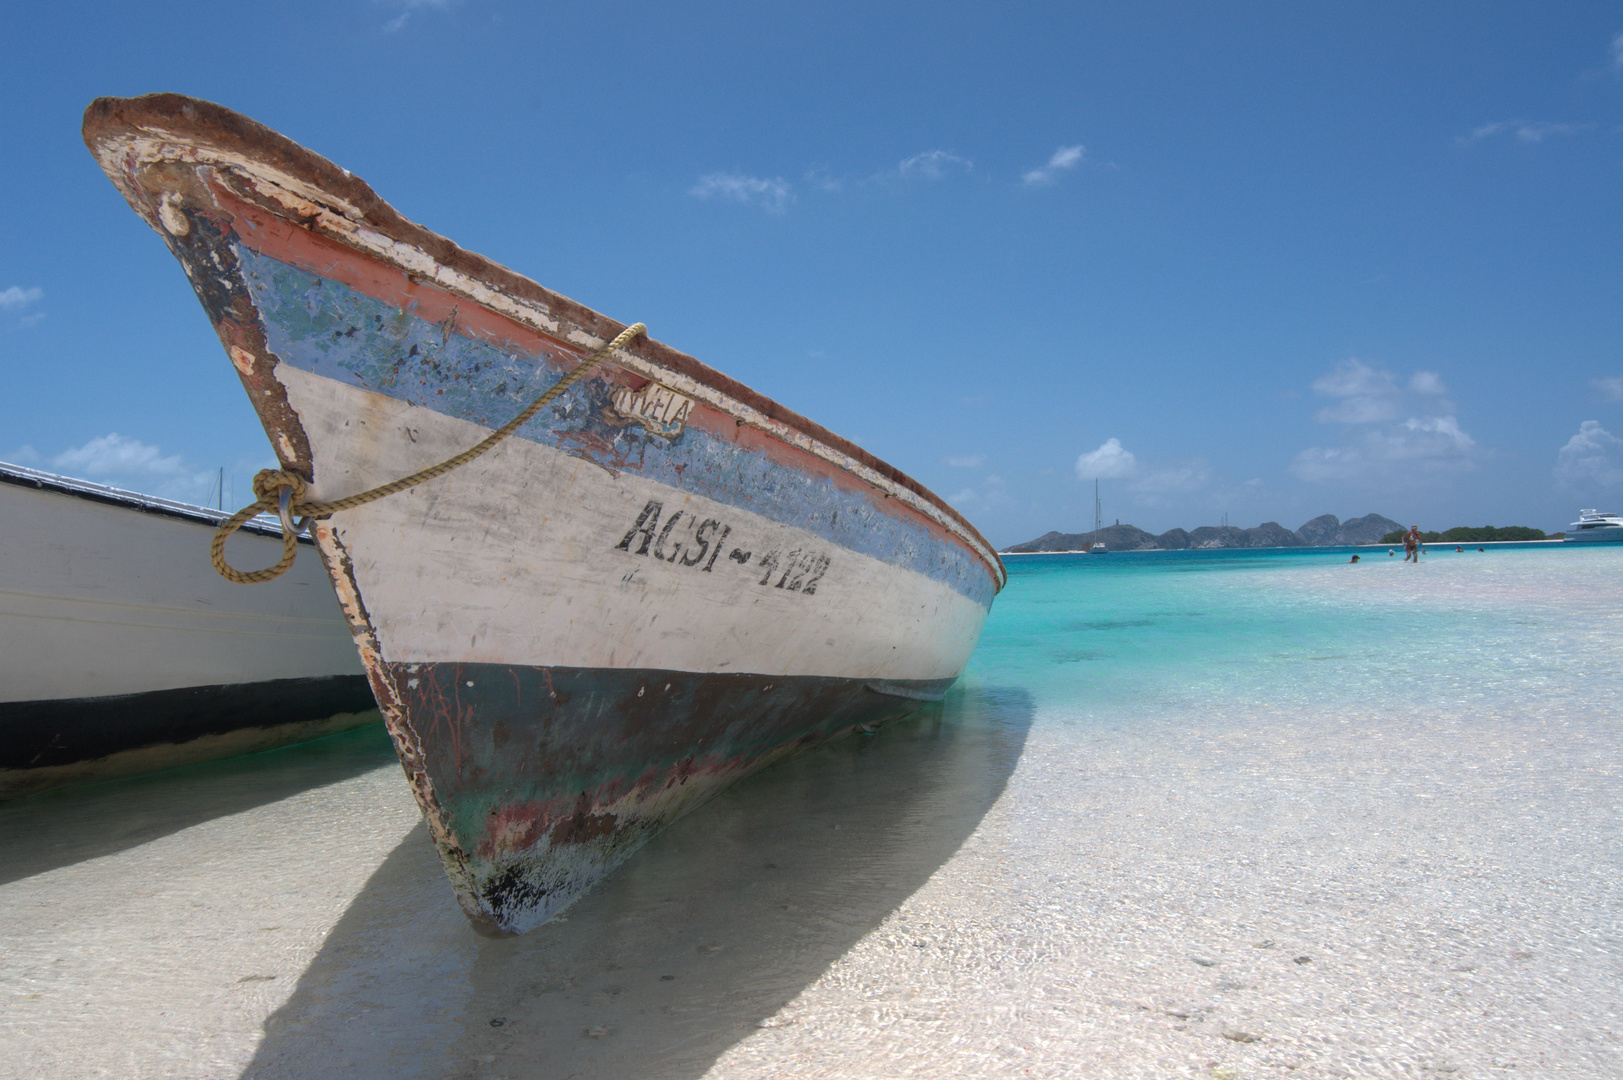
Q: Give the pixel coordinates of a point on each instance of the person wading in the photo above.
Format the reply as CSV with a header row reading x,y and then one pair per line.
x,y
1411,544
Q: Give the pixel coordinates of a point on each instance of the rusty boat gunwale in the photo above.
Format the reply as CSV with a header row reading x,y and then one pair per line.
x,y
551,742
207,125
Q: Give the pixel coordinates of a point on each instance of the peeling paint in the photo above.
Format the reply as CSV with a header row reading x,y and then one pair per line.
x,y
467,596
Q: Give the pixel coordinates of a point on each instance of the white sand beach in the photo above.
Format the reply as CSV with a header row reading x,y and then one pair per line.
x,y
1265,901
987,890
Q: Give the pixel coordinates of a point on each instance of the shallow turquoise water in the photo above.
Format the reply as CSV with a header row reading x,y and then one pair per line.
x,y
1208,635
1165,778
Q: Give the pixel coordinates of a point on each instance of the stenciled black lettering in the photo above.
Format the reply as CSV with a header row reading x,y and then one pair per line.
x,y
647,522
802,568
701,536
665,534
789,564
769,563
720,540
740,556
819,567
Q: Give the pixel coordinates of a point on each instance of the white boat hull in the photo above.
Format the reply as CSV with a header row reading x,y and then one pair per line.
x,y
123,653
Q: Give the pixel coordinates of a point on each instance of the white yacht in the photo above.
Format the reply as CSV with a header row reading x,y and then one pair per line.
x,y
1594,527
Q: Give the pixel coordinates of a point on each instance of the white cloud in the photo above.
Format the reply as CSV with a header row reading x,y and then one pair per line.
x,y
114,455
1414,448
966,461
820,178
1149,483
773,195
992,493
1318,464
1066,157
1110,462
1591,458
1428,383
1171,478
932,165
23,455
1380,448
1611,387
1365,395
1535,133
130,463
15,300
1477,133
1524,131
409,8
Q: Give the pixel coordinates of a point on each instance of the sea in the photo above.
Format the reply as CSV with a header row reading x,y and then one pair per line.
x,y
1099,638
1217,814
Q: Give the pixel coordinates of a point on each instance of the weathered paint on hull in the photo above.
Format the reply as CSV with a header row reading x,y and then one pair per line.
x,y
549,777
662,582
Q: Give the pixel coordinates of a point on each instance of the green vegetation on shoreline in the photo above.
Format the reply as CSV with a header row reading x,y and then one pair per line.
x,y
1466,534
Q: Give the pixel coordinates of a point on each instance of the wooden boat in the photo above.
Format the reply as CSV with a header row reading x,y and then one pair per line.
x,y
661,583
121,657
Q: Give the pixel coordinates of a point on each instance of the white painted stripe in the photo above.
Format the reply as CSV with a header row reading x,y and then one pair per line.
x,y
512,559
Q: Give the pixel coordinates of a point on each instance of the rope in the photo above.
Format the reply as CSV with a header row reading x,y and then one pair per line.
x,y
283,491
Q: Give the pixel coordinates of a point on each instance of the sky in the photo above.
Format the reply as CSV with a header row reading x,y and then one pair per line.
x,y
1267,261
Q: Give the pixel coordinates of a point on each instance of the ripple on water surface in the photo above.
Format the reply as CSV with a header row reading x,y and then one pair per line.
x,y
1201,815
1210,634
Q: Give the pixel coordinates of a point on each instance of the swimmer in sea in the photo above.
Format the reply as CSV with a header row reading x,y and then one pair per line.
x,y
1355,558
1411,544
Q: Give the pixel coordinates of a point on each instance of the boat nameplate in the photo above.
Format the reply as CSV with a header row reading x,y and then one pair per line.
x,y
659,409
700,543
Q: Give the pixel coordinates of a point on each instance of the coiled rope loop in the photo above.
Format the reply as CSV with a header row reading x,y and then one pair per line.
x,y
283,491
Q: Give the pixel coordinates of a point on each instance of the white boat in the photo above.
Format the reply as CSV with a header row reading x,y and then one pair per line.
x,y
124,653
660,583
1098,548
1594,527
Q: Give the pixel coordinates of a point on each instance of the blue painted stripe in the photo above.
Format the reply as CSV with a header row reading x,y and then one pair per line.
x,y
326,328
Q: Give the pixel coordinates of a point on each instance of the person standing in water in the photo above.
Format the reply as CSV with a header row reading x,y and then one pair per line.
x,y
1411,544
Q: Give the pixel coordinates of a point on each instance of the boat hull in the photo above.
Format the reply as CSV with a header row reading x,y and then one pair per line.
x,y
549,777
123,655
660,584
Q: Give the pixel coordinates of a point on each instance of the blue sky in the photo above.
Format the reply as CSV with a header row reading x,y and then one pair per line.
x,y
1269,260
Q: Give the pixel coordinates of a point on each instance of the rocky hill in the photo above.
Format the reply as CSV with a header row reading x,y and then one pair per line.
x,y
1327,530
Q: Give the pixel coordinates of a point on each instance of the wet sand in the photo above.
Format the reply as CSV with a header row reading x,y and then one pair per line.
x,y
963,894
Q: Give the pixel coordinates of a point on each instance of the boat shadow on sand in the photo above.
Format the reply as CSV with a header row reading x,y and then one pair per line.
x,y
698,942
53,829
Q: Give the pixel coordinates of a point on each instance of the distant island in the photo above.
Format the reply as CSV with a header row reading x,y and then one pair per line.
x,y
1466,534
1326,530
